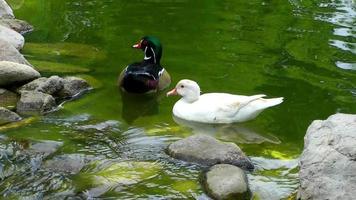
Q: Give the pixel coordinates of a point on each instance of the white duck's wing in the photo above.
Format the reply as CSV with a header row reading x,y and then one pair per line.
x,y
227,105
237,103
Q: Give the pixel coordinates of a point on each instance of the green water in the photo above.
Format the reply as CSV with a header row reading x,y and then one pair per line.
x,y
301,50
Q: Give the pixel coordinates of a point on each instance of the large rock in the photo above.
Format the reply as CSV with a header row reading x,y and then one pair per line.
x,y
11,36
13,73
9,53
5,10
17,25
33,103
73,86
328,161
207,150
7,116
8,99
225,181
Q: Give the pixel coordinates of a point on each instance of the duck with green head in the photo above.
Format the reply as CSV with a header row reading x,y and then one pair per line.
x,y
148,75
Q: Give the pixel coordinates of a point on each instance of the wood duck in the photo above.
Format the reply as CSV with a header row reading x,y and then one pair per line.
x,y
148,75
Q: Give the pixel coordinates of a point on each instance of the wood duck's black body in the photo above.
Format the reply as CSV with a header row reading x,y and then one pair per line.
x,y
147,75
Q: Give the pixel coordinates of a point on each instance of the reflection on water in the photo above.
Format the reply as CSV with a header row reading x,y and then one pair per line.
x,y
138,105
344,17
229,132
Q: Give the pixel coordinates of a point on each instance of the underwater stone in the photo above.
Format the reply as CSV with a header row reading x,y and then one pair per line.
x,y
13,73
33,103
7,116
225,181
11,36
328,161
44,148
57,68
207,150
70,163
103,126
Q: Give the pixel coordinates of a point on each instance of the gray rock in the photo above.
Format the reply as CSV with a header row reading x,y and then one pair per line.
x,y
17,25
70,163
328,161
73,86
7,116
33,103
52,85
225,181
44,148
33,85
103,126
5,10
13,73
207,150
8,99
11,36
10,53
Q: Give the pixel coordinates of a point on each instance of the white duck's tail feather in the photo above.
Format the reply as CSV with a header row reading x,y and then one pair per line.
x,y
266,103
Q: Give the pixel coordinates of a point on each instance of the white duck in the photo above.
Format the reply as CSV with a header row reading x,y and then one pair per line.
x,y
217,107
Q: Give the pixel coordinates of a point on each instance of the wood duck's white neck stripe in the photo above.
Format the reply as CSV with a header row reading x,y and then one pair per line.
x,y
154,55
146,58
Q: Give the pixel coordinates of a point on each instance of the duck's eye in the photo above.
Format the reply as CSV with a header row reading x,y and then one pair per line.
x,y
182,86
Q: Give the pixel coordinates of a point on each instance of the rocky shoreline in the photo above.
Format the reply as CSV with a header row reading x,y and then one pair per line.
x,y
23,91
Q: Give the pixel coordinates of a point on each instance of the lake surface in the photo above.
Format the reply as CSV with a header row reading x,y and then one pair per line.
x,y
301,50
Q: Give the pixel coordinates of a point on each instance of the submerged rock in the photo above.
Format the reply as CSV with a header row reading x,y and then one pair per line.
x,y
8,99
225,181
83,51
55,67
10,53
32,103
73,86
17,25
44,148
11,36
5,10
13,73
328,161
207,150
103,126
111,174
7,116
69,163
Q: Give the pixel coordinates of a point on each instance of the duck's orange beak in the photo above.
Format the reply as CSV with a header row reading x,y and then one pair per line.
x,y
172,92
138,45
